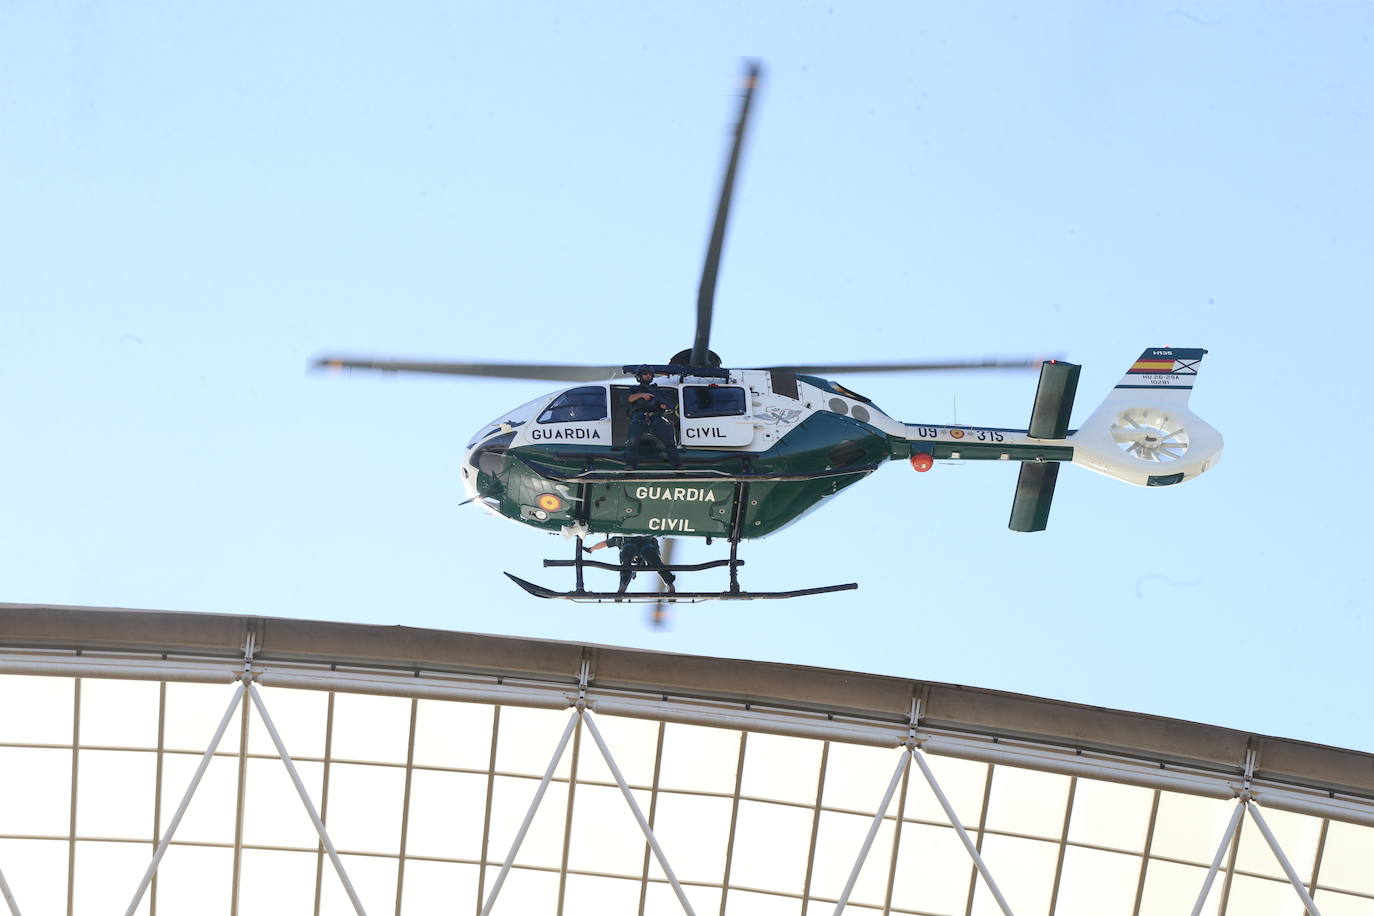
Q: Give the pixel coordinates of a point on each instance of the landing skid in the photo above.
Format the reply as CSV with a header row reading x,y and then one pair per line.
x,y
734,593
680,597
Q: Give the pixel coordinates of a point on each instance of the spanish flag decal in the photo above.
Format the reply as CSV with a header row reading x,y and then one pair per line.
x,y
1153,365
1172,367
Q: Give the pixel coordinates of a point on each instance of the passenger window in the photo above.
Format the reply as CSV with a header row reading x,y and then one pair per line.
x,y
713,401
579,404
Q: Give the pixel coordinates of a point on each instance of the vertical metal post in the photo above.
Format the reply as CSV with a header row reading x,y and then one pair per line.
x,y
639,815
902,764
157,786
324,799
1293,878
529,815
815,821
405,805
1063,845
76,782
185,802
734,823
305,800
653,805
959,828
486,811
567,820
1216,860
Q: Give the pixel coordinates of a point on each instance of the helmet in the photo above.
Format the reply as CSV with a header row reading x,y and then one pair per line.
x,y
641,371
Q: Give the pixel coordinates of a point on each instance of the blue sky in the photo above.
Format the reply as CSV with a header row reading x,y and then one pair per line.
x,y
199,199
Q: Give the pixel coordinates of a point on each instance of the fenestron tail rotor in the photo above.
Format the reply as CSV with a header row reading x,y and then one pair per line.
x,y
1150,434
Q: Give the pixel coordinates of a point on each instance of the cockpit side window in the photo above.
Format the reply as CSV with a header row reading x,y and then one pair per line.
x,y
713,401
577,405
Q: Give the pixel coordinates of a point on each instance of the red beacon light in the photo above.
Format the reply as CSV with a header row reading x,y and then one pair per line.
x,y
922,462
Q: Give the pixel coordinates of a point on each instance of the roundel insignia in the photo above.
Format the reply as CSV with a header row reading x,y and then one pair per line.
x,y
956,434
549,503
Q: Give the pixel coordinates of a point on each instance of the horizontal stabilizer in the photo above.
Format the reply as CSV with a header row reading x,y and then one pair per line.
x,y
1030,509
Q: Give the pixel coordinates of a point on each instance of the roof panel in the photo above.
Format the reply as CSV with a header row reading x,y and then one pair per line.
x,y
733,805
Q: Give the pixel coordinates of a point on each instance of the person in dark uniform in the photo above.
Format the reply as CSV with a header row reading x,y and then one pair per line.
x,y
650,410
640,551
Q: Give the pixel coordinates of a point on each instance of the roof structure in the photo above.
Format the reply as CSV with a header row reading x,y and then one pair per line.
x,y
159,762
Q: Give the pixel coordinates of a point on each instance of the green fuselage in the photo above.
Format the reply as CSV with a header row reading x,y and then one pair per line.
x,y
820,456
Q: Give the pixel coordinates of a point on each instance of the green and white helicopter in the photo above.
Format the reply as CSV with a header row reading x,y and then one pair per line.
x,y
763,447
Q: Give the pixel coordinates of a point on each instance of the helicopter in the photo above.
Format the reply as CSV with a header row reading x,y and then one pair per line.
x,y
763,447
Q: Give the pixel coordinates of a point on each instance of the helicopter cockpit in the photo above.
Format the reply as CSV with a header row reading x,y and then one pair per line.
x,y
706,415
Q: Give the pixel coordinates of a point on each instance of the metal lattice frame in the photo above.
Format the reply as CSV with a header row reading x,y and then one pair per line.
x,y
585,695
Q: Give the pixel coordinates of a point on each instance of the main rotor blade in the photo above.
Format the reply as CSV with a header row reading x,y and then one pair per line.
x,y
1014,362
706,292
549,372
658,611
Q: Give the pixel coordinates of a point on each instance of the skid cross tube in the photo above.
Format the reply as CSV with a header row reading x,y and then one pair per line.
x,y
577,564
741,494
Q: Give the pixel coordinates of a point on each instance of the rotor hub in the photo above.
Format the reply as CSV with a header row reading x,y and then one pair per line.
x,y
684,358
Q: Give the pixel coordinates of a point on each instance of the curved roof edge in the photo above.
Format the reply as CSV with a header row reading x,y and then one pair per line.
x,y
966,710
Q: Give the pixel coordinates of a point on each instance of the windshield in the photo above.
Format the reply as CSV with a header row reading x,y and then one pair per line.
x,y
517,417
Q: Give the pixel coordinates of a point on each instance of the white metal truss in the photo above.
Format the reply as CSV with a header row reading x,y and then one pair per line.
x,y
634,808
897,775
1287,866
285,757
1245,803
8,895
529,814
185,802
305,800
581,716
1227,836
959,828
583,698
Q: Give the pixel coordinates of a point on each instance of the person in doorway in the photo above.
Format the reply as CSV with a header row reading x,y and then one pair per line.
x,y
651,413
641,551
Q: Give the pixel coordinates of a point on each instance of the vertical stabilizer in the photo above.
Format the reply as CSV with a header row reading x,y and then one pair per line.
x,y
1143,432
